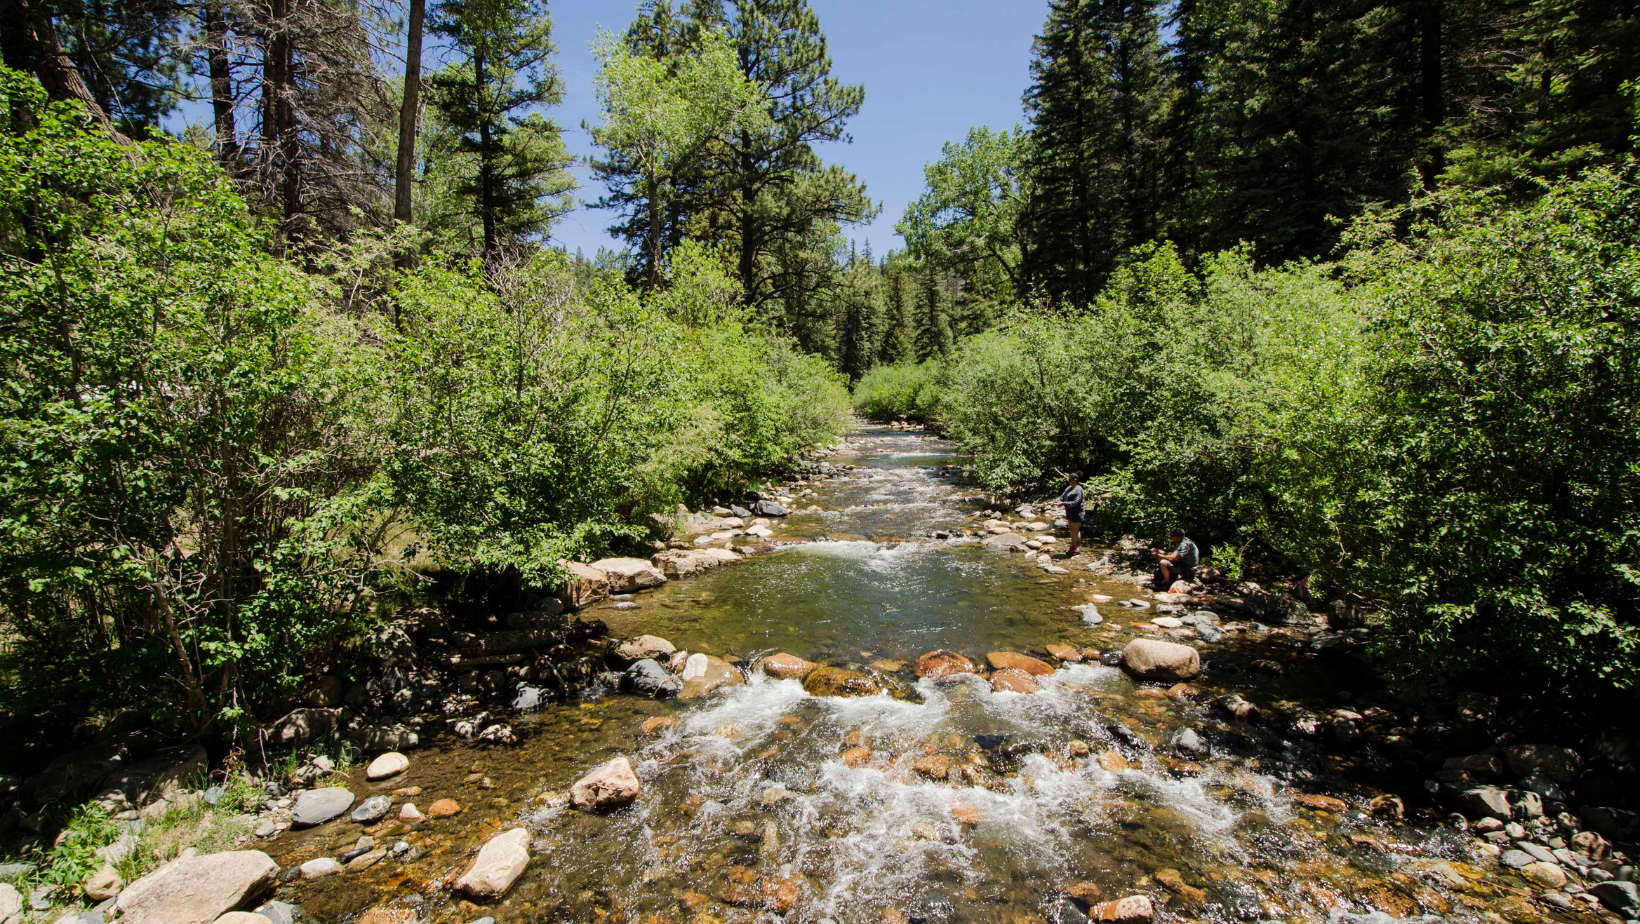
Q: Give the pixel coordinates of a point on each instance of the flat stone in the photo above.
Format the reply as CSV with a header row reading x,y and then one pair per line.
x,y
646,646
365,860
1544,875
1010,660
372,810
444,808
610,785
317,806
1134,909
390,764
11,904
1066,653
626,575
197,890
1013,680
938,665
498,865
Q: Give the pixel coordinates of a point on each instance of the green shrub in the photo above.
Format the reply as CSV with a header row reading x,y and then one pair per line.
x,y
903,391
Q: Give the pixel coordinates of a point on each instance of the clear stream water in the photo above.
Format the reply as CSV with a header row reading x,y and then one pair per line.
x,y
763,803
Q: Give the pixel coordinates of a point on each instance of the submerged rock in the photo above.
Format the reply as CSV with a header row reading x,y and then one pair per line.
x,y
1134,909
703,673
838,681
1010,660
1013,680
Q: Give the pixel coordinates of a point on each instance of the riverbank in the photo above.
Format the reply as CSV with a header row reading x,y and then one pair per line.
x,y
1278,783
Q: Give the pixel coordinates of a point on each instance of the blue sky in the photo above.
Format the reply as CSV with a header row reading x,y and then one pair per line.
x,y
931,71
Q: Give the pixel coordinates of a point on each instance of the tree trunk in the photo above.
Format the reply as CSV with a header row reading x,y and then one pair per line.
x,y
29,41
486,167
405,169
1433,89
654,231
216,54
279,140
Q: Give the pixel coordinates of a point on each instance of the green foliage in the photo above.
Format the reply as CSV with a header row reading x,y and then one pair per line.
x,y
901,391
970,219
177,474
74,855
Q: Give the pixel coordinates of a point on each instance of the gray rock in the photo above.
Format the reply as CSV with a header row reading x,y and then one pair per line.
x,y
1618,896
484,920
1516,859
1188,743
648,678
372,810
739,511
280,912
266,828
1332,644
1340,916
528,698
214,795
768,508
11,872
1488,801
92,916
317,806
1556,900
1208,632
1090,614
197,890
1537,852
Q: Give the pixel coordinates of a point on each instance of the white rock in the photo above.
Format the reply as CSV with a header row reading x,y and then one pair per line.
x,y
197,890
629,574
387,765
610,785
498,865
320,868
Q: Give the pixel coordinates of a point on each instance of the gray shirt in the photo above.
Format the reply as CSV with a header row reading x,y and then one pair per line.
x,y
1188,555
1072,496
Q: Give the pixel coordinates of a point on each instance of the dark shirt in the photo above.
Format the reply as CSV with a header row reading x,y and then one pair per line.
x,y
1188,555
1072,496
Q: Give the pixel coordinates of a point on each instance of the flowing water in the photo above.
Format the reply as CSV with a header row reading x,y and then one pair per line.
x,y
941,803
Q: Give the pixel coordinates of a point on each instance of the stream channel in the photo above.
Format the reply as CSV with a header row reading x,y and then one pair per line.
x,y
941,804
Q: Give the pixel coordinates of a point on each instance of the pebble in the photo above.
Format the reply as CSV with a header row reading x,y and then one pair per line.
x,y
409,812
372,810
443,808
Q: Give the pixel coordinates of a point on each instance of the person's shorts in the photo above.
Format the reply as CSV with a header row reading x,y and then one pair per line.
x,y
1073,514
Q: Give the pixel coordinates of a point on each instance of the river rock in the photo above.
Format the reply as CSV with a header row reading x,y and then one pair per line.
x,y
586,586
444,808
1005,542
197,890
317,806
646,646
1066,653
648,678
1559,764
1134,909
1543,875
1618,896
723,556
703,673
1485,801
498,865
1188,743
319,868
682,563
1149,659
784,666
372,810
244,917
768,508
1013,680
408,812
390,764
1090,614
611,785
938,665
1005,660
626,575
11,904
839,681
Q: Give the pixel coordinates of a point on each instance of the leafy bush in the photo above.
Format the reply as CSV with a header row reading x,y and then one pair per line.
x,y
903,391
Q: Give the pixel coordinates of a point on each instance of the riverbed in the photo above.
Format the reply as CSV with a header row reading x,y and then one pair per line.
x,y
931,803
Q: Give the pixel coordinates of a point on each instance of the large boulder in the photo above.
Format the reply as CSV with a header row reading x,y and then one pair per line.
x,y
787,666
1618,896
646,646
629,574
317,806
703,673
1012,660
839,681
1486,802
611,785
1006,542
197,890
682,563
1557,763
586,586
1150,659
498,865
160,775
723,556
938,665
768,508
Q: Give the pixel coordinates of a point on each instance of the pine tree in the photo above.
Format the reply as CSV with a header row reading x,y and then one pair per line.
x,y
899,340
507,162
935,337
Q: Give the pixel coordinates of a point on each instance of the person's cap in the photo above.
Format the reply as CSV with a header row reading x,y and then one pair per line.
x,y
1176,531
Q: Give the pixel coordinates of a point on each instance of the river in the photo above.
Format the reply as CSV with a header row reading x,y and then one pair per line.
x,y
942,803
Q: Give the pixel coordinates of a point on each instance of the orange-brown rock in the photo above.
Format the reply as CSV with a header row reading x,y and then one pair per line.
x,y
1005,660
1087,893
840,681
1180,692
1320,803
1012,680
444,808
1065,653
964,813
1134,909
382,914
1113,762
857,756
779,895
657,724
933,766
938,665
787,666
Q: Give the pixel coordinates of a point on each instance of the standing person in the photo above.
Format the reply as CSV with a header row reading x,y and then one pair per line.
x,y
1072,497
1179,564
